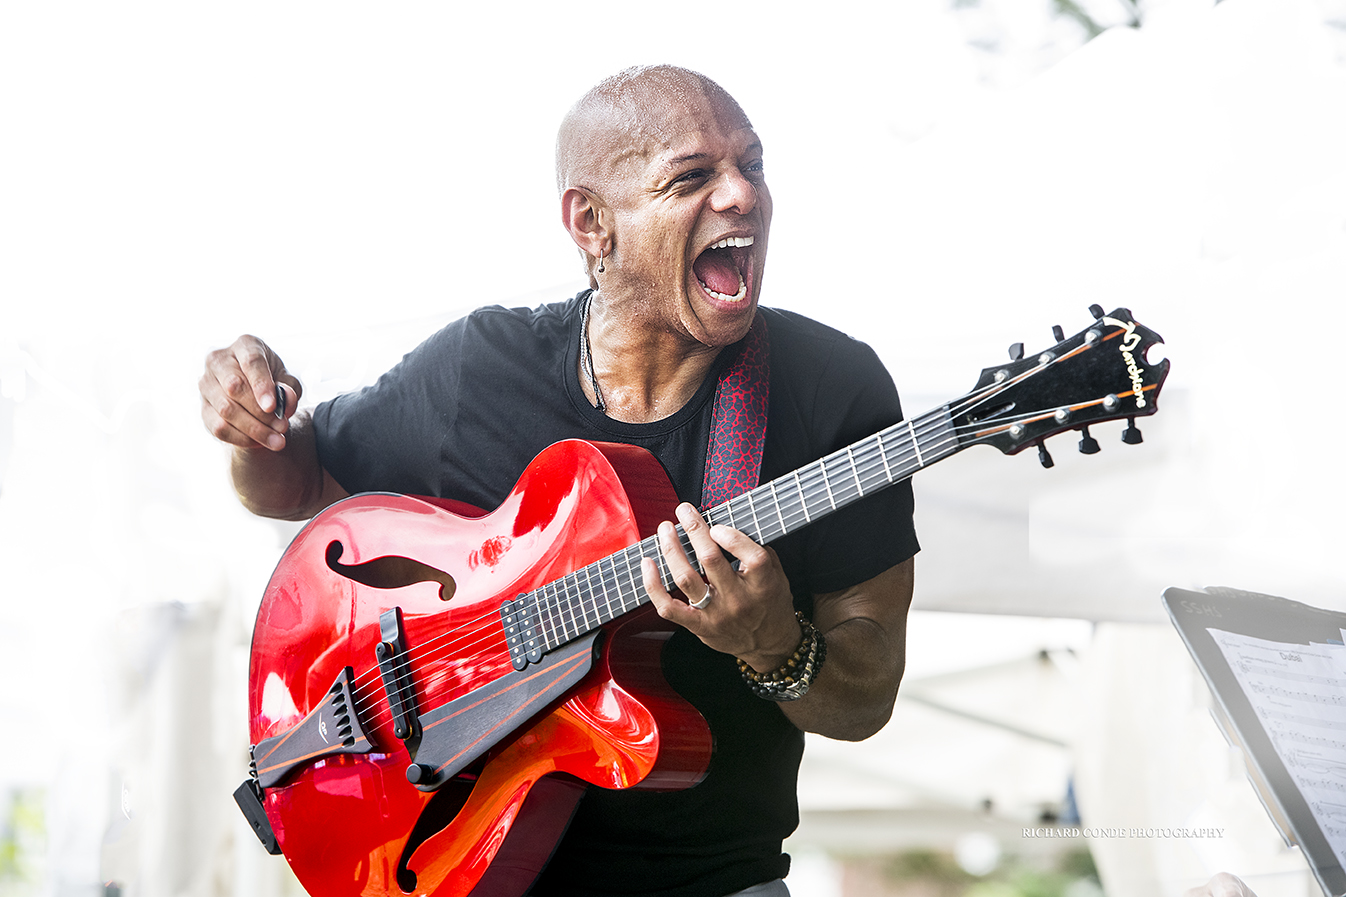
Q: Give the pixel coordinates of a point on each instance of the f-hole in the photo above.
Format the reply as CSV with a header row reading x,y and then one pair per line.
x,y
448,799
390,572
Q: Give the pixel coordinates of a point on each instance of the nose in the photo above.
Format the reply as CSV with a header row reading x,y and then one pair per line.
x,y
734,192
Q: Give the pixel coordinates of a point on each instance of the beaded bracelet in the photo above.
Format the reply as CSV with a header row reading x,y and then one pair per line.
x,y
792,680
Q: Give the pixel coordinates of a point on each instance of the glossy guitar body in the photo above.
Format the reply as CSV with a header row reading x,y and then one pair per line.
x,y
332,786
352,823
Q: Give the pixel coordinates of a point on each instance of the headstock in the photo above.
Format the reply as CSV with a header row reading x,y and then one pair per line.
x,y
1099,374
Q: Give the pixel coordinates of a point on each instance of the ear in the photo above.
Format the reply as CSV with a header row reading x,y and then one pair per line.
x,y
586,218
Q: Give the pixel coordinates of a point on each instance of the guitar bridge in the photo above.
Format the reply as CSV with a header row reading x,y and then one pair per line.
x,y
330,728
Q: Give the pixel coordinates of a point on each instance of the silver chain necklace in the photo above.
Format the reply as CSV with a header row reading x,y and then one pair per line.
x,y
586,362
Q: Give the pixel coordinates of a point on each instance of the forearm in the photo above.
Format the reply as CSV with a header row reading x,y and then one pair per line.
x,y
865,628
289,484
853,694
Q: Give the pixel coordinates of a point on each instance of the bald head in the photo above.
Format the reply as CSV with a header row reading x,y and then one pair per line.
x,y
626,117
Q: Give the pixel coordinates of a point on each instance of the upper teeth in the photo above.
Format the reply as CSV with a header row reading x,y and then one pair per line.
x,y
728,242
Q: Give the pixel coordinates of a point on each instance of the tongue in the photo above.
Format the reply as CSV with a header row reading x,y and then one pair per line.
x,y
716,269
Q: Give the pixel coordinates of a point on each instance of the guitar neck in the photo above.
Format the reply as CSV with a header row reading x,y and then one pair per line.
x,y
584,599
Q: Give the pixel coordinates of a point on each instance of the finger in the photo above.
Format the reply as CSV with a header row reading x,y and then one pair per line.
x,y
665,604
224,367
255,362
229,411
685,576
708,553
751,555
252,436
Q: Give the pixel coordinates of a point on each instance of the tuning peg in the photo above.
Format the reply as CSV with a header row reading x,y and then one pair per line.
x,y
1131,435
1016,351
1088,444
1057,333
1044,456
1096,310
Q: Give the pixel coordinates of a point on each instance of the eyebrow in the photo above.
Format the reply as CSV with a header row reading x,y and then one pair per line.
x,y
696,157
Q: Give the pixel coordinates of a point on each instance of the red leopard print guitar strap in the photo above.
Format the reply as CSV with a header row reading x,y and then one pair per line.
x,y
738,427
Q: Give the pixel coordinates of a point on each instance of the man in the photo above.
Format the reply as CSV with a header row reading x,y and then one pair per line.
x,y
662,189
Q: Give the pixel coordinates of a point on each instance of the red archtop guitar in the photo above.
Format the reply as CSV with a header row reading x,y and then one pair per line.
x,y
431,689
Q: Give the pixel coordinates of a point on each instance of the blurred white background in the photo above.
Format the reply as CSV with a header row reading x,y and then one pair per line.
x,y
950,176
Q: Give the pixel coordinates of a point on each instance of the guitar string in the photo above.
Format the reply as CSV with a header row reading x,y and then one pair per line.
x,y
469,629
475,634
468,634
867,470
864,469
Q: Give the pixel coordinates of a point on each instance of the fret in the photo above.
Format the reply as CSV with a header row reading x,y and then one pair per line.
x,y
558,604
855,471
546,604
803,499
636,589
582,591
916,444
839,480
621,570
821,468
874,476
614,563
796,504
775,500
665,575
604,613
572,598
758,532
591,589
883,453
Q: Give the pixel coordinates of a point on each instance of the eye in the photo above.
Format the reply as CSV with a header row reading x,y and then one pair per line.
x,y
689,177
754,170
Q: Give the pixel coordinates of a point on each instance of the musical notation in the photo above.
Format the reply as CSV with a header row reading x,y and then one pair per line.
x,y
1290,694
1299,694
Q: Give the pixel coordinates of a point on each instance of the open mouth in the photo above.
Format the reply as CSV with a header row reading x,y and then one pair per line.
x,y
720,269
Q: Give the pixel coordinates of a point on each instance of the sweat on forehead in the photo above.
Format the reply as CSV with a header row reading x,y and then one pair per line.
x,y
623,115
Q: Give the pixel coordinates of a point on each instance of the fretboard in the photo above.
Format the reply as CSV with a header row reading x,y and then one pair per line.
x,y
580,601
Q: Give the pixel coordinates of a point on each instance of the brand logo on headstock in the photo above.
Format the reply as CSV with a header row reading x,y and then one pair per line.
x,y
1129,343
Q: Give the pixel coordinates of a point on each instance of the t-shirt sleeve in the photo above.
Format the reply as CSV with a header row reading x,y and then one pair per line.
x,y
835,392
388,436
877,532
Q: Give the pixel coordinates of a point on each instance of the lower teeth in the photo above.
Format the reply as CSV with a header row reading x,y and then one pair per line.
x,y
737,297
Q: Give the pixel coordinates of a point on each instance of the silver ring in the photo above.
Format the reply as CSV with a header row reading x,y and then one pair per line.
x,y
704,598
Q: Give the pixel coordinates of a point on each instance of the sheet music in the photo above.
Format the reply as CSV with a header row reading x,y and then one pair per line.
x,y
1299,694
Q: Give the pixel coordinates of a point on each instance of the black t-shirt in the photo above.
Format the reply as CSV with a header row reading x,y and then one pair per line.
x,y
463,414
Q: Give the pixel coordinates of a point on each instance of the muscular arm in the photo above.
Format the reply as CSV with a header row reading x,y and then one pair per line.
x,y
750,614
866,631
289,484
275,466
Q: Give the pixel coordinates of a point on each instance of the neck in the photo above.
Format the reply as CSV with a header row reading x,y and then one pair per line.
x,y
645,372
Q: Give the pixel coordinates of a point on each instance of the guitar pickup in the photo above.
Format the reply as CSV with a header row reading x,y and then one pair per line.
x,y
522,632
330,728
395,668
